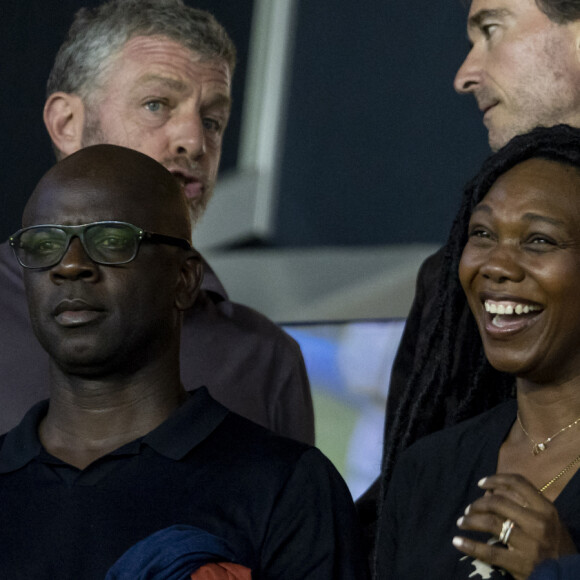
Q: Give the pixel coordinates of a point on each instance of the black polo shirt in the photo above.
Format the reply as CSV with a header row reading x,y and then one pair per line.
x,y
279,504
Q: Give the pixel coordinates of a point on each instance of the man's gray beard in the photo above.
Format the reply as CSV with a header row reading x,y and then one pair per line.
x,y
196,212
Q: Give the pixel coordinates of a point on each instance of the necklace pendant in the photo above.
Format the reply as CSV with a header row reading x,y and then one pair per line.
x,y
538,448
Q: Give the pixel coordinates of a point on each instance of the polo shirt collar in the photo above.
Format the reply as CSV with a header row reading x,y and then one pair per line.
x,y
187,426
183,430
21,444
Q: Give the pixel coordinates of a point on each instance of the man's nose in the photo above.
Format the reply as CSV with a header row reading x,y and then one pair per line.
x,y
188,136
75,265
469,75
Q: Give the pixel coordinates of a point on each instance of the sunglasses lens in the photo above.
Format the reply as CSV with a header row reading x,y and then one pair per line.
x,y
40,247
111,243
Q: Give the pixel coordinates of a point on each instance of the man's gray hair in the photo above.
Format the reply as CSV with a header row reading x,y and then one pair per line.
x,y
97,34
560,11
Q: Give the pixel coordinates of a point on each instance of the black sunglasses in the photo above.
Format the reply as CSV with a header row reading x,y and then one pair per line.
x,y
106,243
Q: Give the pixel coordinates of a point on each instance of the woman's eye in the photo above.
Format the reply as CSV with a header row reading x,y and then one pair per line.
x,y
542,241
478,233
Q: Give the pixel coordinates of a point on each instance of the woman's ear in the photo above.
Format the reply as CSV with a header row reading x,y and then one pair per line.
x,y
64,116
189,281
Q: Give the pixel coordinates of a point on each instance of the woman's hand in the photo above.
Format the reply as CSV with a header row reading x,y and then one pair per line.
x,y
537,532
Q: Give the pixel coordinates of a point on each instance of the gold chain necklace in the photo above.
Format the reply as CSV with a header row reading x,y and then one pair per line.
x,y
539,447
557,477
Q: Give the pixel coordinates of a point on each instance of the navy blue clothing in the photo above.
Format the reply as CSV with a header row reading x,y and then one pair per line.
x,y
172,553
566,568
433,482
279,504
247,362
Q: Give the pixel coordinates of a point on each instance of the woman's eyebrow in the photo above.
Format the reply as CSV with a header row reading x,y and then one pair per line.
x,y
534,217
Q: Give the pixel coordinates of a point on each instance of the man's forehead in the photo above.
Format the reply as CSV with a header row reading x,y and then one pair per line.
x,y
77,197
68,203
94,199
166,52
500,8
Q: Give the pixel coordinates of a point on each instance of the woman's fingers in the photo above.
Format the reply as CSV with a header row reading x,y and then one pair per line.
x,y
528,525
496,555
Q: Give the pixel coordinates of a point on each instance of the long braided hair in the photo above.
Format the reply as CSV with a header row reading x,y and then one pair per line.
x,y
453,380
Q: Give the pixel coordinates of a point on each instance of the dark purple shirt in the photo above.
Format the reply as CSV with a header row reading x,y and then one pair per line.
x,y
247,362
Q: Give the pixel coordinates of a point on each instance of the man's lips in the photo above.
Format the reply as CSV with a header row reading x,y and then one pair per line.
x,y
485,100
192,186
485,109
193,190
71,313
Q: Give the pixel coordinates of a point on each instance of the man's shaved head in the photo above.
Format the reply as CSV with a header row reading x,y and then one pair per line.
x,y
110,183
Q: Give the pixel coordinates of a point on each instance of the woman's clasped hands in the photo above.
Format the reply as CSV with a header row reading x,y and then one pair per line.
x,y
523,520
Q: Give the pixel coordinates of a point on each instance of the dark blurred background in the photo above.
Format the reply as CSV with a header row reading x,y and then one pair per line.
x,y
377,145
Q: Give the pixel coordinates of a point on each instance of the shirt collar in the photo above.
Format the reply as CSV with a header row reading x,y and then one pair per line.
x,y
211,283
21,445
187,426
184,429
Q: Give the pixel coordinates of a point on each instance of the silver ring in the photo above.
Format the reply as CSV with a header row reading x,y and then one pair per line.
x,y
506,530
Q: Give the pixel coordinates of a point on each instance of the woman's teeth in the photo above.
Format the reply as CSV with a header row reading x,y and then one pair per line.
x,y
510,308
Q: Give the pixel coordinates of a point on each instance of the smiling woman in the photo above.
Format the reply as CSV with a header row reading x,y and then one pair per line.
x,y
516,246
520,270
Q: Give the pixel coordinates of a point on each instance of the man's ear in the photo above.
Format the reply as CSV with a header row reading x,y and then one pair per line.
x,y
64,116
189,282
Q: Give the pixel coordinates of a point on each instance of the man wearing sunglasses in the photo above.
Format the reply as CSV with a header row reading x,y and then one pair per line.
x,y
123,451
108,243
155,76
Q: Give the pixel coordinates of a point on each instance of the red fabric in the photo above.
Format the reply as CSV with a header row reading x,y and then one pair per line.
x,y
222,571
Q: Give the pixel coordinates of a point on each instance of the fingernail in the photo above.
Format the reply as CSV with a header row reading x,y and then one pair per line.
x,y
460,521
467,509
482,481
457,542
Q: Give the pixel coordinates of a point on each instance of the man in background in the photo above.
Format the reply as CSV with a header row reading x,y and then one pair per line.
x,y
156,76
